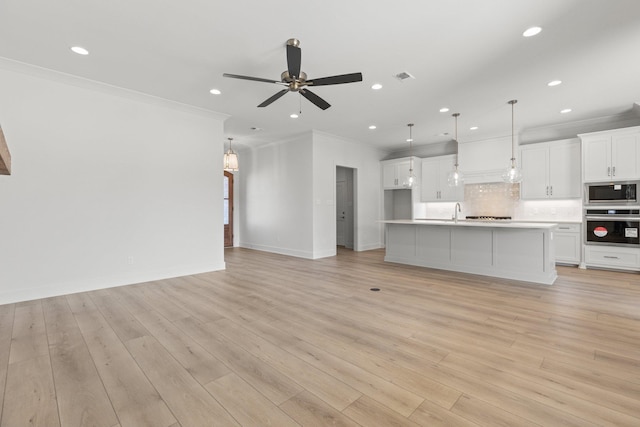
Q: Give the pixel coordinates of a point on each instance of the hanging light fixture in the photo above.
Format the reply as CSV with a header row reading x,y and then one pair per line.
x,y
455,177
512,174
410,181
230,160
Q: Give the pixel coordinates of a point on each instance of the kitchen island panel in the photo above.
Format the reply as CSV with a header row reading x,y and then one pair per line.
x,y
520,251
402,240
472,246
434,243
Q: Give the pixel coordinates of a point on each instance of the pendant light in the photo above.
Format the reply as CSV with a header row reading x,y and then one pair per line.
x,y
410,181
512,174
455,177
230,160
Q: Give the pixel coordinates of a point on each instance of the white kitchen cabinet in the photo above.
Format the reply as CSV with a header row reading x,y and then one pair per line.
x,y
434,186
568,243
551,170
395,172
611,155
618,257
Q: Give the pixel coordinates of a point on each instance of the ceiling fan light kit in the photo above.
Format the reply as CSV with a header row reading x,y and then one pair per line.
x,y
295,80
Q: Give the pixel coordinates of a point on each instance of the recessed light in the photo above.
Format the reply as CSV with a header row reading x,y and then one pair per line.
x,y
215,92
565,111
444,109
554,83
530,32
80,50
294,116
473,128
372,127
376,86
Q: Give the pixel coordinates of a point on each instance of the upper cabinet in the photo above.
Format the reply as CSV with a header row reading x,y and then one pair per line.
x,y
611,155
434,186
395,172
551,170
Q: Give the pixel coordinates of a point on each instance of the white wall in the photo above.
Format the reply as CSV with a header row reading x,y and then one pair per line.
x,y
109,187
330,151
276,194
288,195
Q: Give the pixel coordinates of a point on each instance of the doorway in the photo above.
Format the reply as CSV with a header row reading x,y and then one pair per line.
x,y
345,207
228,209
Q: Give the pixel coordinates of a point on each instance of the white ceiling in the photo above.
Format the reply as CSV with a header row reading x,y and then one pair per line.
x,y
468,55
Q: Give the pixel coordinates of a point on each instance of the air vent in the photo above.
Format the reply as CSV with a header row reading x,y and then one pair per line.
x,y
403,76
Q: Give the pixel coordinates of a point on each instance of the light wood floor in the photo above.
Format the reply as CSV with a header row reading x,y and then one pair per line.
x,y
280,341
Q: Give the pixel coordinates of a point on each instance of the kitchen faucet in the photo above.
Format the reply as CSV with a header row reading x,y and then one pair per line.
x,y
456,209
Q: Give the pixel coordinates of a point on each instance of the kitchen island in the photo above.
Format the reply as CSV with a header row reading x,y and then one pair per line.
x,y
512,249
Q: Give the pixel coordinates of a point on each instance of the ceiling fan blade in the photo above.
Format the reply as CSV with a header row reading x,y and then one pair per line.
x,y
319,102
256,79
336,80
274,97
294,58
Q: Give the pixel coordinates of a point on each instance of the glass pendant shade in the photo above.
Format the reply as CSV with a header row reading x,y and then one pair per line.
x,y
230,159
455,178
410,180
512,175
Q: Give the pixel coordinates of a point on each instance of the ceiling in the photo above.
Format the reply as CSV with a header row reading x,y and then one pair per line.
x,y
467,55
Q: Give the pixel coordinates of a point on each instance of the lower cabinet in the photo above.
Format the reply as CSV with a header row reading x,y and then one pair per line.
x,y
568,243
618,257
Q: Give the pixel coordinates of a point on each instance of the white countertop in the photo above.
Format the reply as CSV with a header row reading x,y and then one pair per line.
x,y
474,223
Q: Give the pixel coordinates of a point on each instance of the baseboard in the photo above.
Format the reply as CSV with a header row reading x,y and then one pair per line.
x,y
92,284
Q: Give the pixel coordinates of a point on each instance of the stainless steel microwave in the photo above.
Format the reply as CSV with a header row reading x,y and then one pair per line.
x,y
612,193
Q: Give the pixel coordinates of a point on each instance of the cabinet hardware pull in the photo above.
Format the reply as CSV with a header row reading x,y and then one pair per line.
x,y
547,190
608,170
551,190
614,171
612,257
563,228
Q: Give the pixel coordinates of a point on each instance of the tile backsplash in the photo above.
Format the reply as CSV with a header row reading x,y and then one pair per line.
x,y
491,199
502,199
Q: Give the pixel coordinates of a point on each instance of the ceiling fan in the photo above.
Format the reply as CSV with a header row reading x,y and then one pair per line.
x,y
296,80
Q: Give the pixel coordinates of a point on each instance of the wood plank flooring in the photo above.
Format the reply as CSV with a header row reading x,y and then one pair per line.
x,y
281,341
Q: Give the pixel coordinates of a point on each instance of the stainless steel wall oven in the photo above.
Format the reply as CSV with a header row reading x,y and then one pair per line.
x,y
612,225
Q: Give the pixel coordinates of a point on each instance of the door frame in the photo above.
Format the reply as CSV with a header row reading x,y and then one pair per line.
x,y
228,230
352,175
